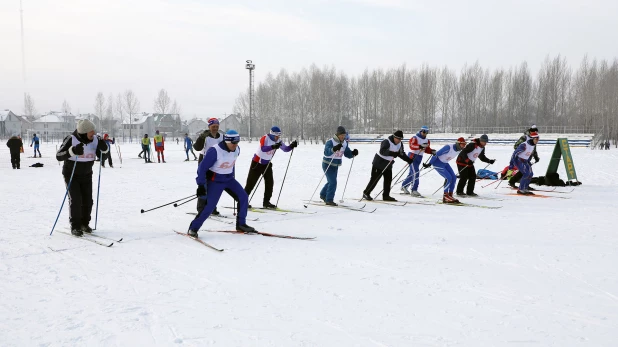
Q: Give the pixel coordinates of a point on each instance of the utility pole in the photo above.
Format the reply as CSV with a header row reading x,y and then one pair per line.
x,y
250,66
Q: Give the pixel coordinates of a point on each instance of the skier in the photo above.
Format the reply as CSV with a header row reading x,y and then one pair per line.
x,y
35,141
382,165
108,156
78,152
159,143
441,165
216,173
525,137
146,148
521,160
334,150
261,163
15,144
207,139
465,164
419,143
189,147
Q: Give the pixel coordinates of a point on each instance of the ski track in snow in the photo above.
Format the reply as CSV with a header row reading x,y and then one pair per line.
x,y
536,272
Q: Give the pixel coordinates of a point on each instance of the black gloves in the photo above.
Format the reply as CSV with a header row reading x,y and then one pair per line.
x,y
276,145
492,161
79,149
294,144
337,147
536,160
426,166
355,152
433,152
201,191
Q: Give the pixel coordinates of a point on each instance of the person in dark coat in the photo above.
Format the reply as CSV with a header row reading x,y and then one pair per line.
x,y
382,165
15,144
465,164
78,152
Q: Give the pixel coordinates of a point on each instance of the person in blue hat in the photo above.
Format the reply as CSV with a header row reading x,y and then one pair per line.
x,y
261,163
215,174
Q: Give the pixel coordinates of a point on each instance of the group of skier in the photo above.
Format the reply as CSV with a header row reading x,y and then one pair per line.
x,y
218,154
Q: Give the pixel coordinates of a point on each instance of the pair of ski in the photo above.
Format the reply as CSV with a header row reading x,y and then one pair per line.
x,y
542,196
240,232
340,205
94,238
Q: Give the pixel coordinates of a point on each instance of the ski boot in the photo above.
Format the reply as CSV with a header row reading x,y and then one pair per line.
x,y
323,198
187,159
192,233
448,198
530,189
215,212
331,203
474,195
462,194
76,231
404,190
267,204
245,228
416,194
367,197
512,185
388,198
86,229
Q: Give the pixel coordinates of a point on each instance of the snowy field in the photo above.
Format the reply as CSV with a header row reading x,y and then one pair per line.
x,y
537,272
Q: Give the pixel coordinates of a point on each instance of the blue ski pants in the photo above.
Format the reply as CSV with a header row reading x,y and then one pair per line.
x,y
446,171
526,170
412,180
214,190
328,191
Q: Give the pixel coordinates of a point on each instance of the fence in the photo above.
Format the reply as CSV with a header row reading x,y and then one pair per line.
x,y
550,129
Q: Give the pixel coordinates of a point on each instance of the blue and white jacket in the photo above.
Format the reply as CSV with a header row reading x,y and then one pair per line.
x,y
336,157
218,165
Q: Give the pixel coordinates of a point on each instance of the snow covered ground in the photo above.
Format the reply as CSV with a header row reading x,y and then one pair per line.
x,y
537,272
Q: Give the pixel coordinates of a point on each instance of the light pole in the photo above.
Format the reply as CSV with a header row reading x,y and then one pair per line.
x,y
250,66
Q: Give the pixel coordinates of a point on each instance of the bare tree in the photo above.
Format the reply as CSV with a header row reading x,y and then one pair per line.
x,y
109,115
162,102
119,109
99,108
175,108
131,106
29,109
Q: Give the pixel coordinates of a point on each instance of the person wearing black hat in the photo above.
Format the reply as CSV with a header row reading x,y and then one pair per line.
x,y
465,164
382,165
78,151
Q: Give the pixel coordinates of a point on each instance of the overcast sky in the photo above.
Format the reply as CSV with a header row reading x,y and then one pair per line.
x,y
196,50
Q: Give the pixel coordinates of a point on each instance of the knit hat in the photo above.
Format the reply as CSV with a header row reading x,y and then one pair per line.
x,y
484,138
425,128
212,121
85,126
340,130
461,140
157,131
231,136
398,134
275,131
534,134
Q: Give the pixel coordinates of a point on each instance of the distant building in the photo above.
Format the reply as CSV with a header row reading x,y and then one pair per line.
x,y
232,121
168,124
196,126
53,126
10,123
139,125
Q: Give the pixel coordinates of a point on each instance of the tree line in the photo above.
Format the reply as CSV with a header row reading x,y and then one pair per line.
x,y
312,102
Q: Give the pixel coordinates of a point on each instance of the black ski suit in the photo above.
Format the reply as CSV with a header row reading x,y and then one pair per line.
x,y
15,144
80,191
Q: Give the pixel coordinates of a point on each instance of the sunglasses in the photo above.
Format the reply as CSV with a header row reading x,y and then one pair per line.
x,y
424,131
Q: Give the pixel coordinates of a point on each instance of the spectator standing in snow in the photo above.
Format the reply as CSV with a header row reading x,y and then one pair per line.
x,y
35,141
15,144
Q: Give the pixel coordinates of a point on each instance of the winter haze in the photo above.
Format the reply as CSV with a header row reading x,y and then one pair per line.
x,y
196,49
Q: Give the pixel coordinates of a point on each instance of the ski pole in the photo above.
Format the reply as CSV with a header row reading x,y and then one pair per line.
x,y
378,178
396,180
445,181
346,181
420,169
318,186
57,152
154,208
184,202
262,176
65,196
284,176
96,214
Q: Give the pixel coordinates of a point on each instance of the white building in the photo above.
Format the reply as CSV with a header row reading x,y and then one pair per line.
x,y
10,123
53,126
196,126
139,125
232,121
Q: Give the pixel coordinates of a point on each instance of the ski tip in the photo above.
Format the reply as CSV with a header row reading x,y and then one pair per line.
x,y
120,240
142,211
111,244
